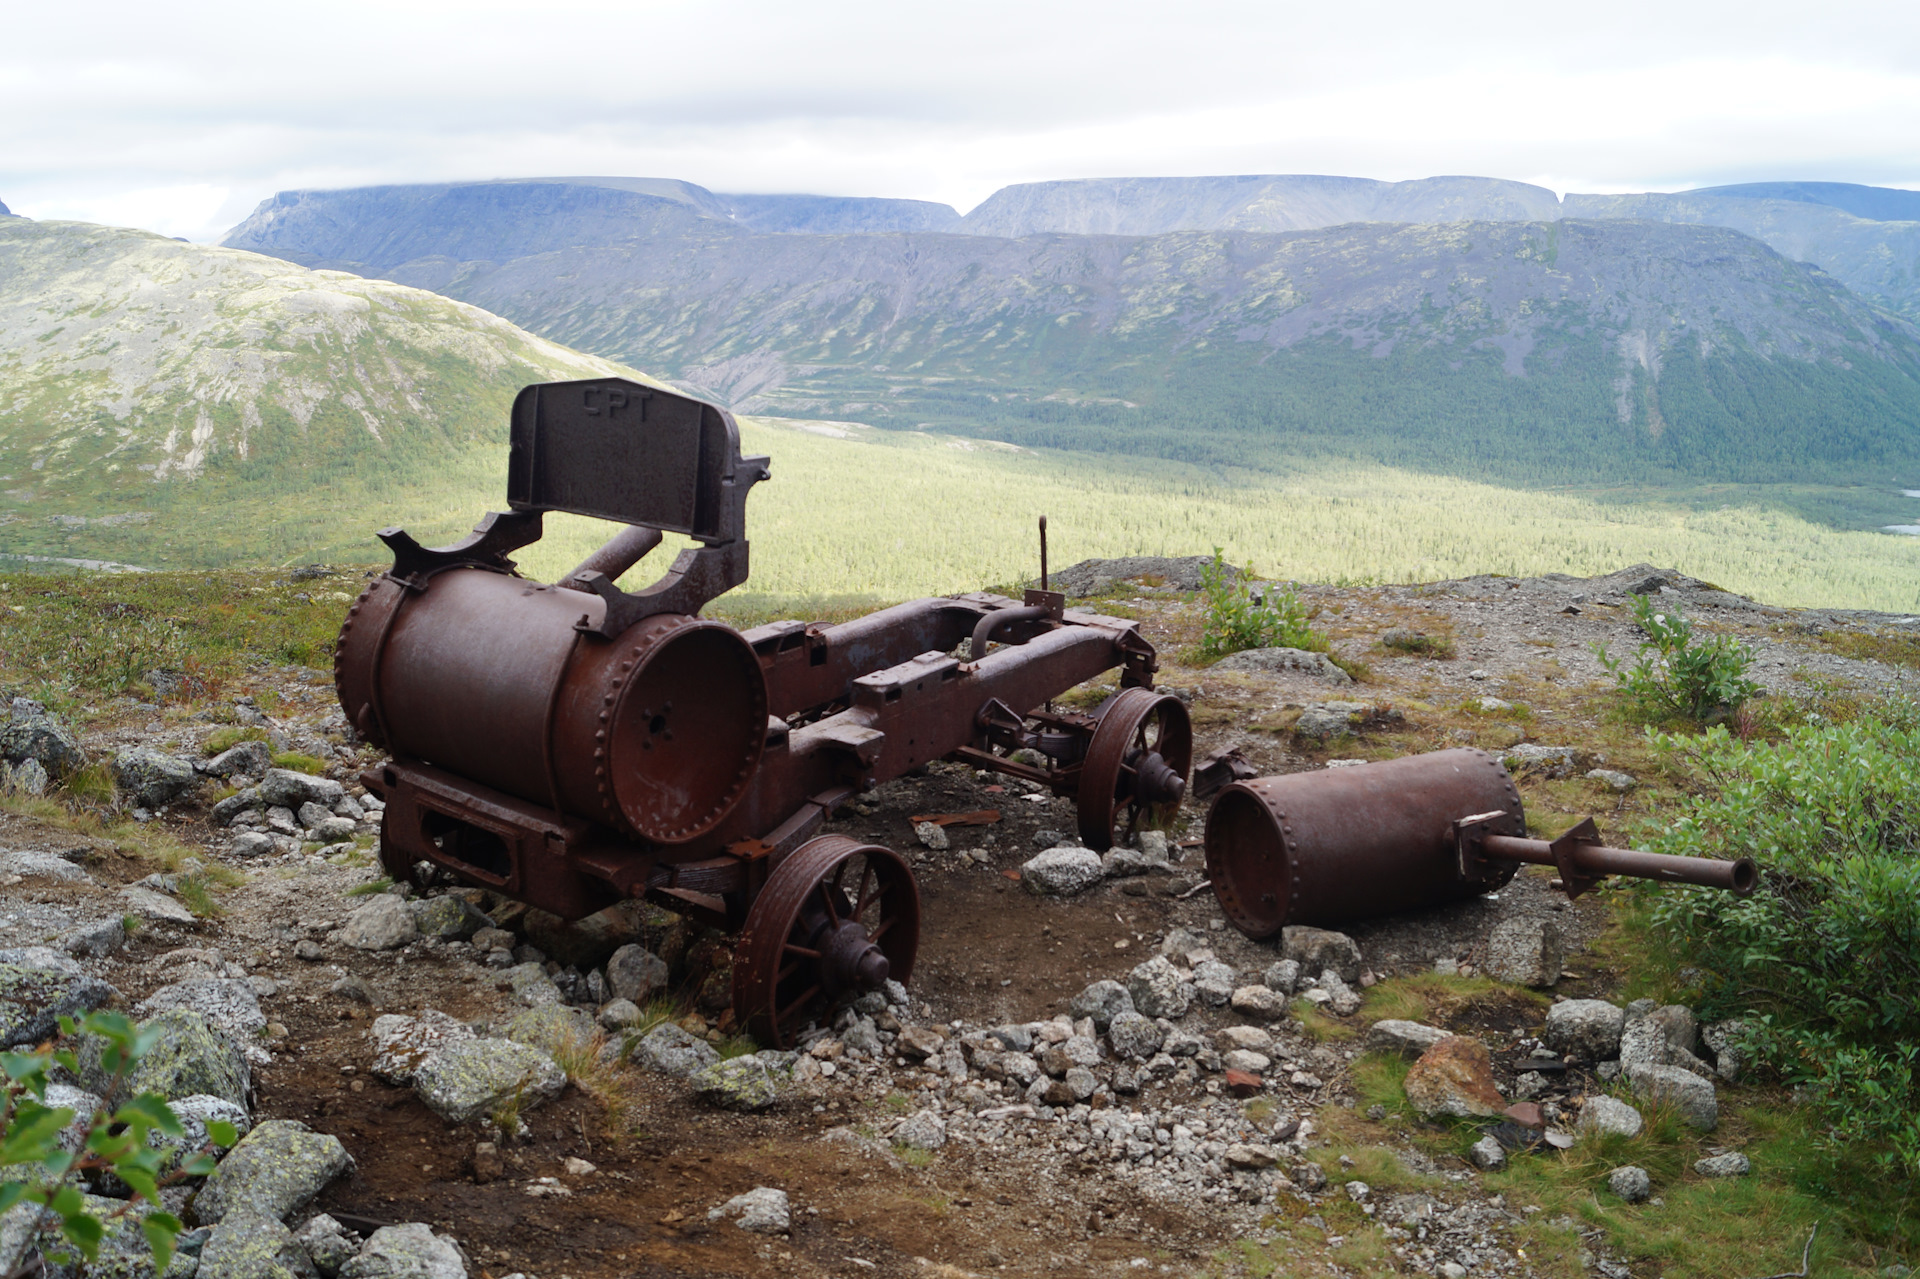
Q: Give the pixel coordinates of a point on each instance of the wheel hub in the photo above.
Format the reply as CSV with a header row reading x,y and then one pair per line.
x,y
1157,782
850,960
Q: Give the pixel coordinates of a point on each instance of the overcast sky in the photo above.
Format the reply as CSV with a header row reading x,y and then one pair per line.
x,y
181,117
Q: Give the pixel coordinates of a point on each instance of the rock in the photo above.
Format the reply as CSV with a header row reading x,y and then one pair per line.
x,y
1341,998
1076,1050
932,835
1613,780
229,1005
354,987
1062,872
1125,863
1102,1001
31,734
554,1029
672,1051
276,1170
249,1245
1246,1061
1242,1039
333,830
34,998
1733,1164
1259,1001
382,924
474,1078
1154,844
1722,1039
917,1043
1584,1029
1277,660
1631,1183
530,984
152,778
1213,983
284,788
189,1057
1315,949
1691,1096
36,865
763,1210
1487,1155
95,939
1454,1077
1609,1116
636,973
1545,761
401,1045
923,1130
1526,952
328,1244
409,1251
1250,1157
1282,975
1133,1036
590,942
1661,1037
250,758
252,843
449,917
862,1037
29,778
1326,721
194,1114
619,1014
1406,1038
1492,705
1159,989
243,801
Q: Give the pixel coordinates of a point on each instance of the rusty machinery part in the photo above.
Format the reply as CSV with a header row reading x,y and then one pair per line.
x,y
656,733
1136,766
1333,845
835,920
1583,861
1338,844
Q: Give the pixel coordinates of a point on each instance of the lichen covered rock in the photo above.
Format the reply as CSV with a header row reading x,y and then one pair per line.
x,y
409,1251
276,1170
473,1079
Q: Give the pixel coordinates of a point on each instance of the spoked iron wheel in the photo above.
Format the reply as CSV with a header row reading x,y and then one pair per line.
x,y
1135,773
835,920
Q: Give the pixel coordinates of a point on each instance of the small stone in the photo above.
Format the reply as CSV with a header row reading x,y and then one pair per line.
x,y
384,923
33,997
1246,1061
328,1245
1584,1029
1286,660
1062,872
31,736
932,835
1733,1164
401,1045
1282,975
310,951
230,1006
1631,1183
1134,1037
923,1130
246,1245
1526,952
1609,1116
1159,989
636,973
1406,1038
408,1251
1102,1001
284,788
1487,1155
94,940
152,778
618,1014
1317,949
473,1078
1454,1077
1613,780
189,1058
1213,983
447,917
352,987
1259,1001
1242,1038
276,1170
763,1210
745,1084
251,844
252,759
1692,1096
1249,1156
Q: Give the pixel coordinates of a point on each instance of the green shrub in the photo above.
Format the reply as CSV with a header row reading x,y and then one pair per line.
x,y
225,739
299,763
1825,956
1675,678
39,1169
1234,619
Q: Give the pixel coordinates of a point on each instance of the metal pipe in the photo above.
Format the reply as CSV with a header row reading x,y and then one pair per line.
x,y
1738,877
623,550
998,620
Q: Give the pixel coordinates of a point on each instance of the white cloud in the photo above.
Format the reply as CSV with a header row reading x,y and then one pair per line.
x,y
142,112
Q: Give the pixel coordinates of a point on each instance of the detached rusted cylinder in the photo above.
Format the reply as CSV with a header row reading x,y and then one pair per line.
x,y
1737,877
655,733
1350,843
622,551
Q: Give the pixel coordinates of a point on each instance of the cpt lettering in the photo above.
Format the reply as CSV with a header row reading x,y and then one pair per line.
x,y
616,401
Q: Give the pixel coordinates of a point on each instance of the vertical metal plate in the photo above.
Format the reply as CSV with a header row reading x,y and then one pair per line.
x,y
618,450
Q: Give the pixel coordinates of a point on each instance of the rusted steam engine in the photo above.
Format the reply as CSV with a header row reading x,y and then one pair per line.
x,y
573,744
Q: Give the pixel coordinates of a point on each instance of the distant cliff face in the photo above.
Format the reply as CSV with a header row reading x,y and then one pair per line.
x,y
835,215
5,212
1292,202
127,358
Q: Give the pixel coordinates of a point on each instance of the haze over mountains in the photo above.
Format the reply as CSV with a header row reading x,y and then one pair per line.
x,y
1460,324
